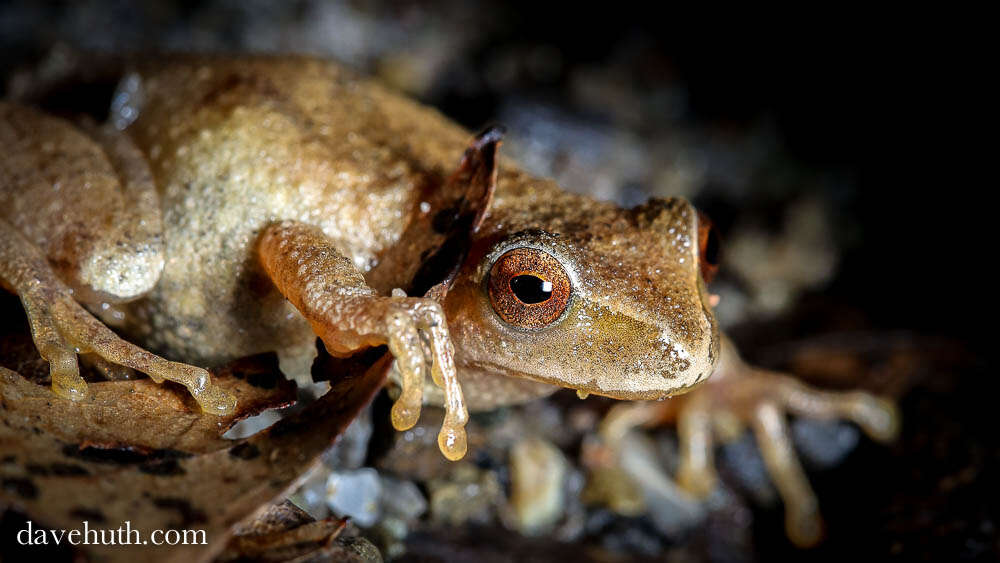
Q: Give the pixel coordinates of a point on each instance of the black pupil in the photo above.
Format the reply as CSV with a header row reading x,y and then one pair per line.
x,y
711,255
531,289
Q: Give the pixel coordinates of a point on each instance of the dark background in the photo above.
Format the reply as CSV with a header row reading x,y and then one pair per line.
x,y
870,112
881,99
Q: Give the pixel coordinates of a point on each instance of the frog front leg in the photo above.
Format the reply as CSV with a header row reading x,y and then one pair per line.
x,y
80,222
348,315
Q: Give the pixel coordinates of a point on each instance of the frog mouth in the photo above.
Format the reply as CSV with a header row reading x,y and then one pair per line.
x,y
649,395
593,387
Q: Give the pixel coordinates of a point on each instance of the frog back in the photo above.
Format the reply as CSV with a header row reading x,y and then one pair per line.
x,y
236,144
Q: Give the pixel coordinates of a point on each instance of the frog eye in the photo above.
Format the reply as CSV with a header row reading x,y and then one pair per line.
x,y
708,247
528,288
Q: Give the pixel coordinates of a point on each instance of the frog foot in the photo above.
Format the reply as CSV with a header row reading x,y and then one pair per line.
x,y
740,396
61,329
348,315
418,338
736,397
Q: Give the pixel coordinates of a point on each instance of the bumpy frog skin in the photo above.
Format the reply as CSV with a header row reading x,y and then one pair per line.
x,y
254,203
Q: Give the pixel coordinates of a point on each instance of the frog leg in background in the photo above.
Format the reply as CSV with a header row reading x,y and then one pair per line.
x,y
738,396
348,315
98,241
61,328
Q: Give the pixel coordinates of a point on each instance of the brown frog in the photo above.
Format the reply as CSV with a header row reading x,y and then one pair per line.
x,y
241,205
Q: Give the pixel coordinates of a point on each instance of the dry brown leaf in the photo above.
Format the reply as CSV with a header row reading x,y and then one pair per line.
x,y
142,415
279,517
441,233
47,475
282,532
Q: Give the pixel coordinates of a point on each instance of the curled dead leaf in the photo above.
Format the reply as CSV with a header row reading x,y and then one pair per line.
x,y
167,467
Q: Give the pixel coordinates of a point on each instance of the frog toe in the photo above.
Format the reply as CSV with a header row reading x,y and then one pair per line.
x,y
696,471
802,519
65,374
877,416
762,400
804,525
62,329
740,397
419,340
53,348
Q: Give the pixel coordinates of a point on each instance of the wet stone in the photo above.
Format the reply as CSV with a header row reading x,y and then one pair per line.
x,y
360,549
626,535
402,499
252,425
610,487
823,443
355,494
672,511
727,530
468,494
414,453
571,528
740,461
538,475
389,536
352,446
311,494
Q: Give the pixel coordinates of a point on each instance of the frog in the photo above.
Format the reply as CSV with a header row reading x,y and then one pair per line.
x,y
234,205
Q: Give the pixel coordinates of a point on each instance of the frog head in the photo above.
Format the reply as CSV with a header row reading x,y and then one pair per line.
x,y
562,289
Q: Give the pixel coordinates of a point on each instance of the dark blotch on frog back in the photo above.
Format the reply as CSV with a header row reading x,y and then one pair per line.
x,y
188,513
24,488
122,455
89,514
